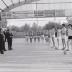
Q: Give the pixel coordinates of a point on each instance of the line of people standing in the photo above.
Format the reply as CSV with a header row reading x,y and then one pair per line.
x,y
59,38
62,38
5,36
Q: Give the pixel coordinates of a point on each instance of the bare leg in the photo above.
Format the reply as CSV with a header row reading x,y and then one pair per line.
x,y
63,42
68,45
53,42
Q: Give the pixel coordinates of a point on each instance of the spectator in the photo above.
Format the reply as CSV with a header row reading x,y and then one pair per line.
x,y
9,39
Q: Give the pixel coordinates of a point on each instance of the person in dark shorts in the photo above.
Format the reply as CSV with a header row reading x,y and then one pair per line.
x,y
30,39
34,38
69,36
56,38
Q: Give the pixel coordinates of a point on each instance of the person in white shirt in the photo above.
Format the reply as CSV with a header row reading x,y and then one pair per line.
x,y
56,38
60,45
52,34
64,37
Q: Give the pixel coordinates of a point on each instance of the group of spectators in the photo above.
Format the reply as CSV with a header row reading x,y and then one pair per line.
x,y
5,36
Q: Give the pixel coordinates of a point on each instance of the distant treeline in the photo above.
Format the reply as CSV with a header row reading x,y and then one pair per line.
x,y
35,29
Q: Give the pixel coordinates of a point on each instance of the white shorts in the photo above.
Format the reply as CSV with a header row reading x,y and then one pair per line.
x,y
65,37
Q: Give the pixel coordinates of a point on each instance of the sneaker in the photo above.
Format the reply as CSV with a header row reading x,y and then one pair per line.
x,y
5,50
63,48
10,49
65,53
56,48
67,49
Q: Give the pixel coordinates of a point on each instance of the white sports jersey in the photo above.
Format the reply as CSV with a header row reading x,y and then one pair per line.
x,y
64,31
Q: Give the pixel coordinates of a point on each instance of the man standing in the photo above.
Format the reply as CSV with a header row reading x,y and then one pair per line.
x,y
1,42
5,35
9,39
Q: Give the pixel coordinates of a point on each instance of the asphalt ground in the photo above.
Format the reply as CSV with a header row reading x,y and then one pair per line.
x,y
34,57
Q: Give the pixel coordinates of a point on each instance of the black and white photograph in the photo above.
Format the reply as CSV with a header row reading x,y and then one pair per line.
x,y
35,35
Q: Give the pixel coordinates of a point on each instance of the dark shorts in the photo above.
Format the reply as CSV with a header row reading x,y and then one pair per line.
x,y
69,37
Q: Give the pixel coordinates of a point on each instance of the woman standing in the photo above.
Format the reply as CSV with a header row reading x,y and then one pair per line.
x,y
64,36
52,31
60,45
56,38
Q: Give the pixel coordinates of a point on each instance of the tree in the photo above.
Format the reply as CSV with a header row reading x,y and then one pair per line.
x,y
51,25
34,27
69,20
25,28
14,28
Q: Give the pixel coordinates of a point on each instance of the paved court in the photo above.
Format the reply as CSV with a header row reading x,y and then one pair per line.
x,y
34,57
